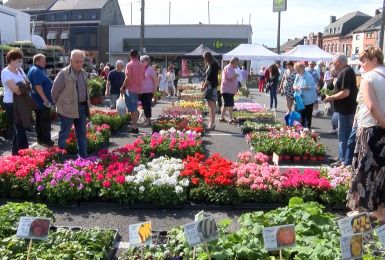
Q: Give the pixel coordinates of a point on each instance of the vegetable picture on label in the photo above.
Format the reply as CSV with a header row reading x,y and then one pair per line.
x,y
207,228
39,228
356,245
285,236
144,232
361,223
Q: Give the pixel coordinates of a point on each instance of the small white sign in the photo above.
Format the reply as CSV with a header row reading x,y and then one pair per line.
x,y
279,237
140,234
351,246
355,224
201,231
33,228
381,234
201,215
275,159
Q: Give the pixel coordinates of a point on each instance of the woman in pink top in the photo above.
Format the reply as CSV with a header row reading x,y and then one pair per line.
x,y
229,87
149,85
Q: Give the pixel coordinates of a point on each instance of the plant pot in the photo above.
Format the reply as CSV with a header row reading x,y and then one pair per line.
x,y
94,101
305,157
313,158
297,158
270,158
100,99
286,157
321,158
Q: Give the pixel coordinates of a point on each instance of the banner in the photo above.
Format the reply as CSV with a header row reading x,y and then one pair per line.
x,y
279,5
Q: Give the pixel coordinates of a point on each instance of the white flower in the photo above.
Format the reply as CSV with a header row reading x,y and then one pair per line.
x,y
185,182
178,189
141,189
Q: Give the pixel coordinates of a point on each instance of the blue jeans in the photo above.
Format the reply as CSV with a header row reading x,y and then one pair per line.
x,y
80,130
19,135
273,97
335,120
351,145
345,125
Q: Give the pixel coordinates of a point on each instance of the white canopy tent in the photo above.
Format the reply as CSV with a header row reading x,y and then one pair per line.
x,y
307,53
38,42
251,52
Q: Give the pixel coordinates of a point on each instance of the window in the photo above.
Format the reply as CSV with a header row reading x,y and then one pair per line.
x,y
357,50
80,40
93,16
65,43
65,17
79,16
52,17
93,40
52,42
369,35
335,30
358,37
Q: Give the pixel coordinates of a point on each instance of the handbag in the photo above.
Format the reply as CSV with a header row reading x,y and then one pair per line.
x,y
208,93
299,105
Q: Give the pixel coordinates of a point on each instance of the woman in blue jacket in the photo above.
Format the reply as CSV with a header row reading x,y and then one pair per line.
x,y
305,83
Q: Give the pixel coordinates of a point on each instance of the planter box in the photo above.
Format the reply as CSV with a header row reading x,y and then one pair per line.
x,y
258,206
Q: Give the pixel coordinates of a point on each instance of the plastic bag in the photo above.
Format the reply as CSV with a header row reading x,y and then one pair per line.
x,y
293,117
299,106
121,106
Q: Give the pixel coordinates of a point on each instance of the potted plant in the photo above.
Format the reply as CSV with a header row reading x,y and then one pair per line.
x,y
320,152
95,89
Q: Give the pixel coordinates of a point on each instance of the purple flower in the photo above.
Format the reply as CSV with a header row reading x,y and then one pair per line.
x,y
53,183
40,188
80,187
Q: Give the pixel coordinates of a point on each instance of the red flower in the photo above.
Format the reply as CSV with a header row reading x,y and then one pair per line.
x,y
106,184
100,177
195,181
120,179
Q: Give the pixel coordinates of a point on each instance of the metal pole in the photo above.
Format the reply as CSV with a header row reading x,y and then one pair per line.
x,y
142,27
382,27
208,10
131,13
279,33
249,18
169,12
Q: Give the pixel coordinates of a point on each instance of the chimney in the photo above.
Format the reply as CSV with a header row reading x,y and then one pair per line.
x,y
332,19
377,12
1,2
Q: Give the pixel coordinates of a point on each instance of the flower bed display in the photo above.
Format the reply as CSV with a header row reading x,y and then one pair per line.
x,y
253,107
61,244
191,95
250,126
291,143
182,123
199,105
259,117
109,117
16,171
317,237
176,111
97,138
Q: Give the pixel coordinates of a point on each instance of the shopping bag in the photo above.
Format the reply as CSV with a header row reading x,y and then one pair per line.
x,y
121,105
292,117
299,106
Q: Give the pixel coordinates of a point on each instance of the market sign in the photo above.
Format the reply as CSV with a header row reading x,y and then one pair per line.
x,y
279,5
183,45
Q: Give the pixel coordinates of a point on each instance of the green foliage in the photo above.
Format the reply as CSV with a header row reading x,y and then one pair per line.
x,y
96,86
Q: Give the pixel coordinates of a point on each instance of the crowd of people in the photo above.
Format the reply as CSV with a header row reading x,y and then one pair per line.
x,y
359,112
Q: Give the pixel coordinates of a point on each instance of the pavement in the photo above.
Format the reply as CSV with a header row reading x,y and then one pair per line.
x,y
226,139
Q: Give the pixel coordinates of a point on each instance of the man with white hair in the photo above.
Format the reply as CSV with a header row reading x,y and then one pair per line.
x,y
70,94
115,80
344,103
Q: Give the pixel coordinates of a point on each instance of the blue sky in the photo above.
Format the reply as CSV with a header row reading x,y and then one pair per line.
x,y
301,18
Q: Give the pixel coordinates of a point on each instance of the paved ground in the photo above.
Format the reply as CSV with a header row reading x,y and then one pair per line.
x,y
227,139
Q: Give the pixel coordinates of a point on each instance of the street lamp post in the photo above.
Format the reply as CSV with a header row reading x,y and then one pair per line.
x,y
382,27
142,27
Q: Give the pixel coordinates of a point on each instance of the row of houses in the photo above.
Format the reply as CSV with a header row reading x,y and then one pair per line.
x,y
349,34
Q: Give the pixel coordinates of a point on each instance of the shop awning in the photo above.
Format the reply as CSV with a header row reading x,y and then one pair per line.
x,y
65,35
251,52
200,50
307,53
51,35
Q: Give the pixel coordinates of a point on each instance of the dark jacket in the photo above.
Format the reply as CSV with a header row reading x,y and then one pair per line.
x,y
23,105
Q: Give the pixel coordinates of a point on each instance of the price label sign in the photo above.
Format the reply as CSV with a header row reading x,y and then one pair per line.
x,y
140,234
351,246
33,228
355,224
201,231
381,234
275,159
279,237
201,215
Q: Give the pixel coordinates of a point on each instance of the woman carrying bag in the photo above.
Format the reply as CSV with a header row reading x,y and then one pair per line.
x,y
305,87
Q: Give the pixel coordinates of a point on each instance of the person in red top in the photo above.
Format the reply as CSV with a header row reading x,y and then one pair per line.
x,y
132,87
267,76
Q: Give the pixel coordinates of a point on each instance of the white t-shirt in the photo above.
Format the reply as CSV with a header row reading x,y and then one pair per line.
x,y
364,117
7,75
239,74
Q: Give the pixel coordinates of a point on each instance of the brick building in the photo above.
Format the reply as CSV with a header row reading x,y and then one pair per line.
x,y
338,35
314,39
73,24
367,35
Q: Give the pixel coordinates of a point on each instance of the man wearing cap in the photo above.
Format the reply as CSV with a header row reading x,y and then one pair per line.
x,y
132,87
